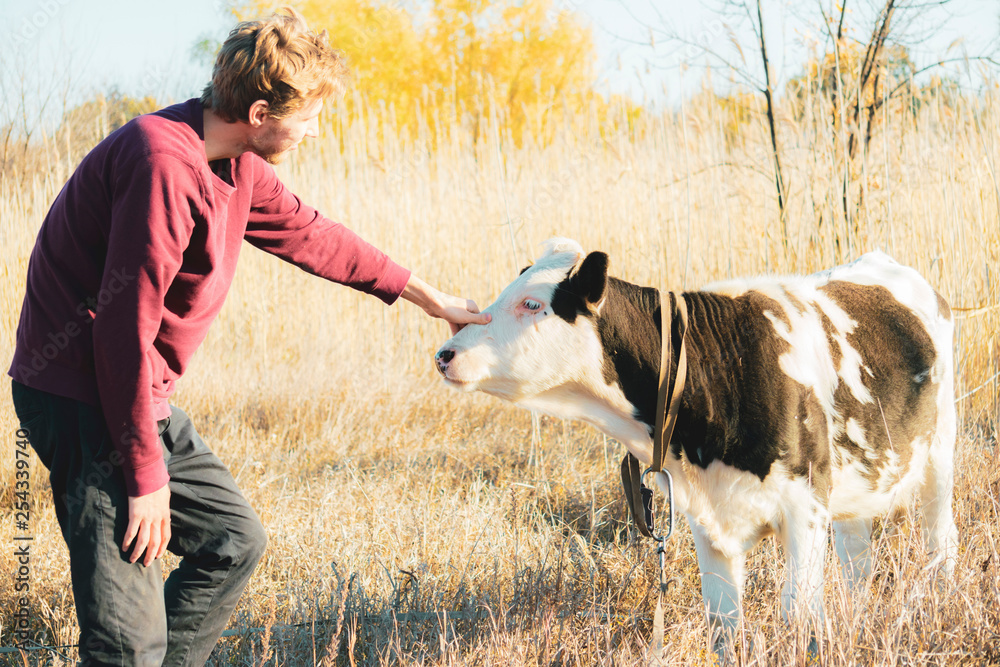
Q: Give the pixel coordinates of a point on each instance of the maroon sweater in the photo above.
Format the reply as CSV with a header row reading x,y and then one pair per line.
x,y
135,258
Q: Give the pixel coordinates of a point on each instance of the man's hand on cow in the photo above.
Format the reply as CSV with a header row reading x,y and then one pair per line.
x,y
458,312
148,525
453,309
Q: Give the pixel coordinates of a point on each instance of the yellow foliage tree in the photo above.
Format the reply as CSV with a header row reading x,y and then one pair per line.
x,y
834,76
520,62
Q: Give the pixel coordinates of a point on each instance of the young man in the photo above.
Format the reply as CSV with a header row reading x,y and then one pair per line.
x,y
130,267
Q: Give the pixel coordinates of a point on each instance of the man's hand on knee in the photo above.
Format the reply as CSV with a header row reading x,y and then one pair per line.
x,y
148,525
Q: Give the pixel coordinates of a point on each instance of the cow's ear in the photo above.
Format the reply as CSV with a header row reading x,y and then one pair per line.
x,y
591,278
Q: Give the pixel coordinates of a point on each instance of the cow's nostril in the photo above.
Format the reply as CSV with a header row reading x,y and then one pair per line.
x,y
442,358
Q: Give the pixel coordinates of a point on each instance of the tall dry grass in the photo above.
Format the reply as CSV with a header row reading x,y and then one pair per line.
x,y
412,525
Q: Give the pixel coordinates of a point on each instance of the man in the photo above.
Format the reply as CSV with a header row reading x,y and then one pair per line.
x,y
131,265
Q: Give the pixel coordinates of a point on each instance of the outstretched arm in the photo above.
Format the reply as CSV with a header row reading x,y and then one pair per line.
x,y
279,223
455,310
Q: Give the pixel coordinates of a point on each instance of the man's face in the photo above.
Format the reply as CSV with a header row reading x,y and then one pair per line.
x,y
275,139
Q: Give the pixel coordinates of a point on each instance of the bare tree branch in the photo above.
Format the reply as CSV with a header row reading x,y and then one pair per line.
x,y
870,68
769,96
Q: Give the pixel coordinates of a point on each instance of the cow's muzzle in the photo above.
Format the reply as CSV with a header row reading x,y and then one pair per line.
x,y
441,359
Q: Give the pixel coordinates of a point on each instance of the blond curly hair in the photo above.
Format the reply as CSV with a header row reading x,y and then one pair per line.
x,y
278,60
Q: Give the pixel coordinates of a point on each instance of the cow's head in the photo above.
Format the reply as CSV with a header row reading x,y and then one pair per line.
x,y
542,337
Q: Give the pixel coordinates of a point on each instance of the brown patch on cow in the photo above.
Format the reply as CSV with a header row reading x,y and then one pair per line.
x,y
794,300
766,304
847,407
629,329
735,408
943,308
807,448
831,331
898,354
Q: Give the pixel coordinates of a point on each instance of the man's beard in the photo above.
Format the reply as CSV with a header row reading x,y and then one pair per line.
x,y
264,147
271,157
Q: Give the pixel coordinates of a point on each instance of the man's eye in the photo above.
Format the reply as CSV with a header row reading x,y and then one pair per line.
x,y
530,304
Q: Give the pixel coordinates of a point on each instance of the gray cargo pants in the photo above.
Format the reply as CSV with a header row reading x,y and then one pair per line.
x,y
127,614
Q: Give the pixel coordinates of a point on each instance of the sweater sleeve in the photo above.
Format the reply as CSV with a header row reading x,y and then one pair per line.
x,y
153,198
282,225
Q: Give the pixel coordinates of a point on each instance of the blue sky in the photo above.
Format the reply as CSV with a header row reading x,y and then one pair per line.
x,y
142,47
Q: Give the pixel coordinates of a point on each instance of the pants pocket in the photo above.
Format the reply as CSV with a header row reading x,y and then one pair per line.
x,y
35,420
30,411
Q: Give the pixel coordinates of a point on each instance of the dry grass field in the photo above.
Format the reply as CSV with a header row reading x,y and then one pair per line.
x,y
412,525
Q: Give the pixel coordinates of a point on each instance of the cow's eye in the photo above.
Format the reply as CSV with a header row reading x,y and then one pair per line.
x,y
531,304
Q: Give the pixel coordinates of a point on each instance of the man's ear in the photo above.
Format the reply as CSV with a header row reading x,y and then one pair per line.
x,y
257,113
591,278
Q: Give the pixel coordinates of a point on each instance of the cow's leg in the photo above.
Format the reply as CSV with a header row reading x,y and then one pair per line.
x,y
939,530
803,534
852,538
721,584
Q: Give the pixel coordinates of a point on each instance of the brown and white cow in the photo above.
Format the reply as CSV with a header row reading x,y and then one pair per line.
x,y
809,399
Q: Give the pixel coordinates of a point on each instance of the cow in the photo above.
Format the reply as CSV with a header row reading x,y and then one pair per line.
x,y
809,400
